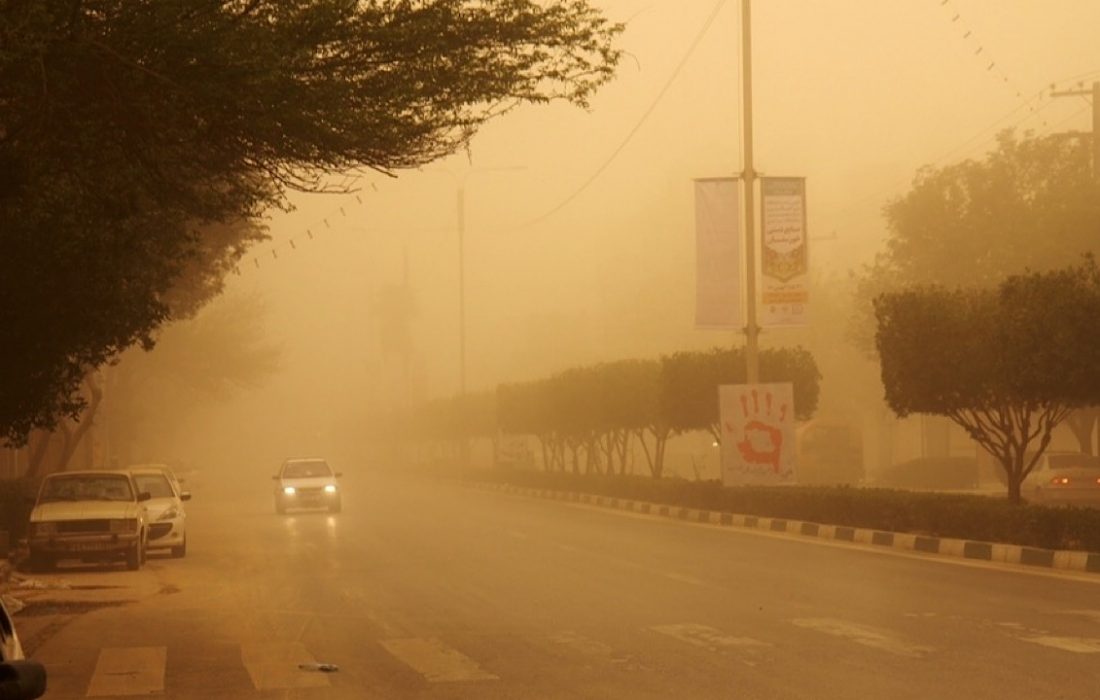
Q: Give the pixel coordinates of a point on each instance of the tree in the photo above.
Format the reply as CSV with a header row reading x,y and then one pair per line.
x,y
1033,203
690,382
1008,365
127,127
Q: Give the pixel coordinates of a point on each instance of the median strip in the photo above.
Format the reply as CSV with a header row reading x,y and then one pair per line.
x,y
1069,560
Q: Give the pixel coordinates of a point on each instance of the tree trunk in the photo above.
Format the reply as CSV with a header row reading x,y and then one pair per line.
x,y
624,449
645,449
607,445
659,463
38,453
1082,423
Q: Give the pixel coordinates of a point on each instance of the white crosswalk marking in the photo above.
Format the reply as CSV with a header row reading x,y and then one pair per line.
x,y
1078,645
1093,615
581,644
274,666
128,671
709,637
864,635
437,662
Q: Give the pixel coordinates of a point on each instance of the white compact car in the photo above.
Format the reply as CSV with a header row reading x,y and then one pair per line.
x,y
306,483
167,519
88,515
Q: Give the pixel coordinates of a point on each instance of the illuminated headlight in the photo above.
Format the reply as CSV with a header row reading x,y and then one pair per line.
x,y
171,514
289,490
1060,480
124,525
330,488
43,529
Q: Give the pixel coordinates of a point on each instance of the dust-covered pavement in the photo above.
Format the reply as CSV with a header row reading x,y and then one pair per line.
x,y
426,589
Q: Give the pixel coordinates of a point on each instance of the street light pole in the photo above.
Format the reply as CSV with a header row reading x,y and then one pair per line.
x,y
752,330
460,211
460,224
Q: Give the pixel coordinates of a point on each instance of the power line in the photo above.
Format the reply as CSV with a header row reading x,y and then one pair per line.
x,y
637,127
982,55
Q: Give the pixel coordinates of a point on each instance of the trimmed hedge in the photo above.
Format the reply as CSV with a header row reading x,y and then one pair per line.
x,y
961,516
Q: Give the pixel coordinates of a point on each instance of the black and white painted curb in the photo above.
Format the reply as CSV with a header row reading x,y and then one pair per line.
x,y
967,549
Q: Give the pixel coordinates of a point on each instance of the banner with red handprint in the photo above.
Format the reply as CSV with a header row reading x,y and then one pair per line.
x,y
758,433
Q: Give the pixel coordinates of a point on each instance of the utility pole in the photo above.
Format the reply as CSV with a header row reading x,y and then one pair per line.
x,y
460,210
752,331
1095,93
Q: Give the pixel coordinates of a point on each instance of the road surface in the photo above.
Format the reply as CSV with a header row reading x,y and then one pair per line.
x,y
428,589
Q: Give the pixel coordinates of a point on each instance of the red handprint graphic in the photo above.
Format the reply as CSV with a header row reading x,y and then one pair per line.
x,y
762,442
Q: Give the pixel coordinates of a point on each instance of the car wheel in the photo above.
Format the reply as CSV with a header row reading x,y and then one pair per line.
x,y
180,551
40,562
280,507
334,508
134,557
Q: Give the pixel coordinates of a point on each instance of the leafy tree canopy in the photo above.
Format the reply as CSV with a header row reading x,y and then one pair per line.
x,y
691,379
1006,364
1031,204
128,128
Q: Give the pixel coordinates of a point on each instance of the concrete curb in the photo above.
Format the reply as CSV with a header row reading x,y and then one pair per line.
x,y
1068,560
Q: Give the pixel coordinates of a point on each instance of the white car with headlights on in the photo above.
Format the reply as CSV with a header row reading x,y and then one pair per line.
x,y
167,519
306,483
88,515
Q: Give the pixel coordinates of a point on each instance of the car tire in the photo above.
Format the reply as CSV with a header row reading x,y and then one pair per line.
x,y
135,557
334,508
280,507
181,551
40,562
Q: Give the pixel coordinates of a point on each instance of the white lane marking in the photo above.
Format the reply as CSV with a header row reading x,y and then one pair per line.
x,y
129,671
582,644
862,634
709,638
1078,645
274,666
437,662
1093,615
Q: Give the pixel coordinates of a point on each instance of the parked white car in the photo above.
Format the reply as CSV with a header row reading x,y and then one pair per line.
x,y
306,483
166,516
88,515
1069,478
177,483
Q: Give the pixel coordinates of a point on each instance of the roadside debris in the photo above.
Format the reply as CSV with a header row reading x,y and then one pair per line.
x,y
322,668
37,584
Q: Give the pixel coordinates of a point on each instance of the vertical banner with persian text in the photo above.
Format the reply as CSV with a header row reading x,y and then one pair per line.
x,y
784,253
758,433
718,254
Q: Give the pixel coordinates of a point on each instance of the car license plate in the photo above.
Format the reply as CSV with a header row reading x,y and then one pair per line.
x,y
88,546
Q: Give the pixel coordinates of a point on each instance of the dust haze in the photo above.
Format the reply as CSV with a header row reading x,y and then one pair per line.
x,y
579,231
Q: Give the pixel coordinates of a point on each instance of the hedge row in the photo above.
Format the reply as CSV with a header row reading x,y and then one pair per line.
x,y
959,516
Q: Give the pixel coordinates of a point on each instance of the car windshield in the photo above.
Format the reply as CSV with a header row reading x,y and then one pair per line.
x,y
82,487
301,470
156,485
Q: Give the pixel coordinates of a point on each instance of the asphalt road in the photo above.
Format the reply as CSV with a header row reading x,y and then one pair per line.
x,y
426,589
